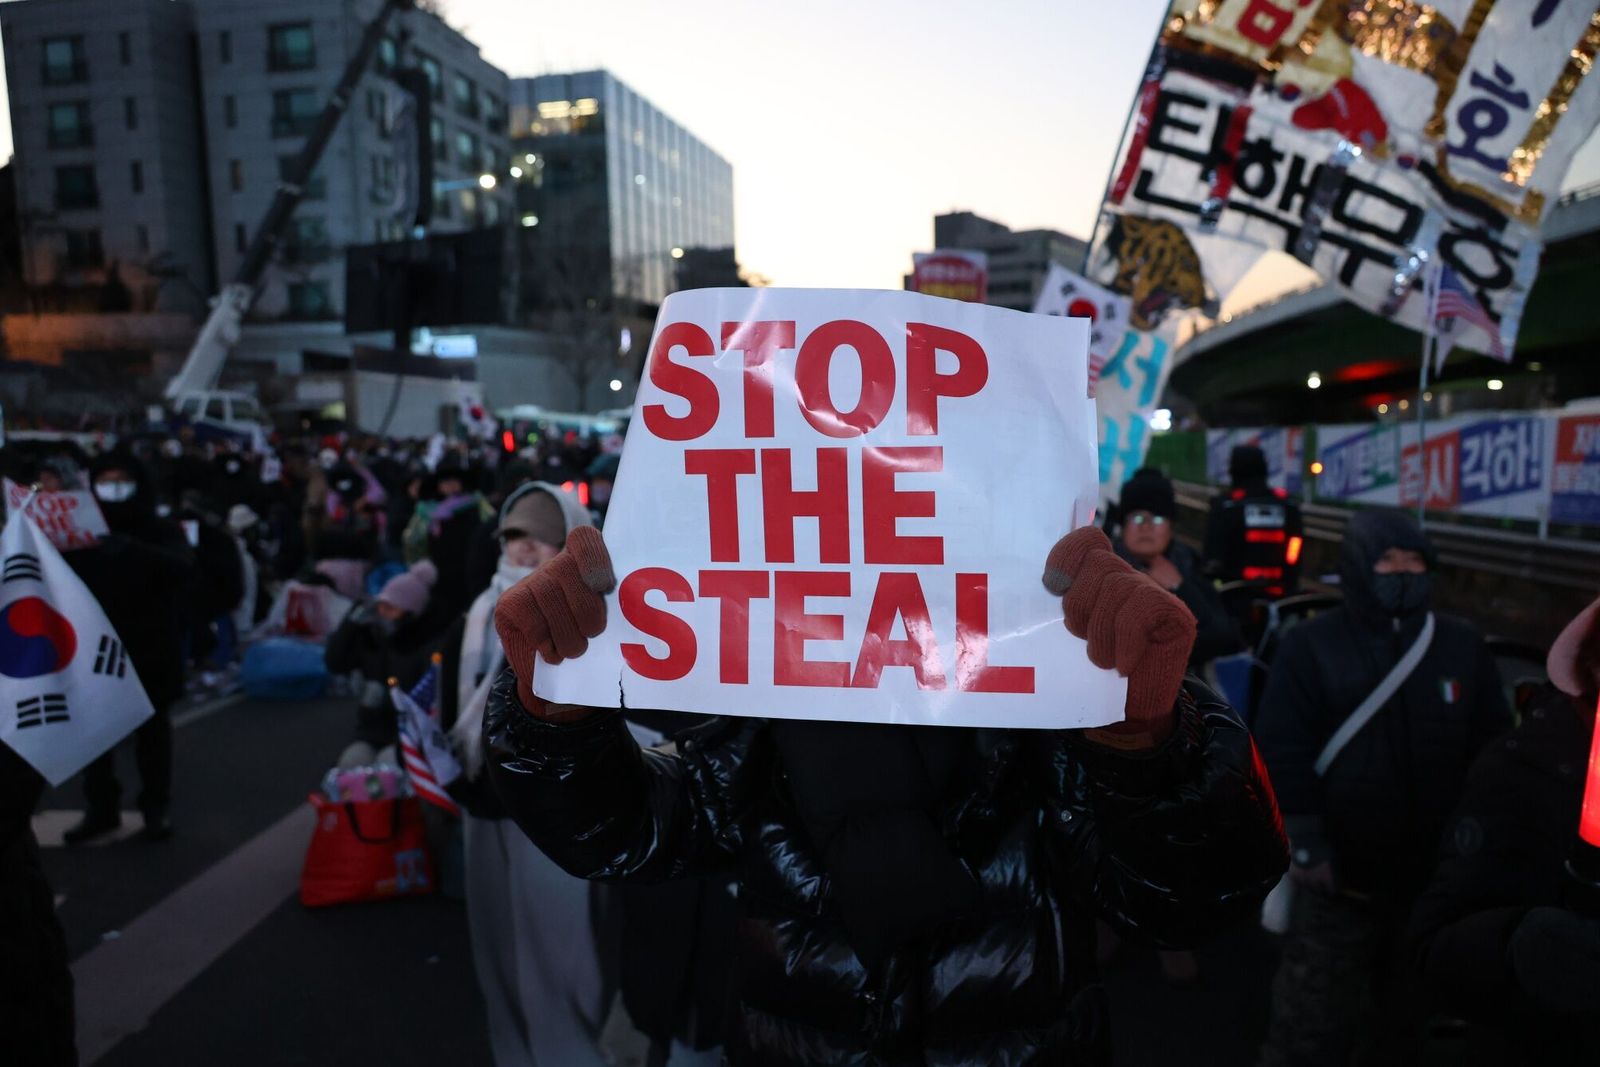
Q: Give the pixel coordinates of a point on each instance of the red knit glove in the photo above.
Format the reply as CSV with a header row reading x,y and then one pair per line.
x,y
1132,625
554,611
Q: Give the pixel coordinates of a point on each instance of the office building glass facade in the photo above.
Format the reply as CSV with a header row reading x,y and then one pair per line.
x,y
663,187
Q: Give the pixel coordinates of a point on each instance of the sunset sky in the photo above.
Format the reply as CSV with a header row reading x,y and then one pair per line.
x,y
850,125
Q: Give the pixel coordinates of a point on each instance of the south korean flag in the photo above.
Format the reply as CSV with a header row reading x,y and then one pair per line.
x,y
68,690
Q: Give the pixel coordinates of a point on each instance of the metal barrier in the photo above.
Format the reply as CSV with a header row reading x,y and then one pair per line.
x,y
1559,562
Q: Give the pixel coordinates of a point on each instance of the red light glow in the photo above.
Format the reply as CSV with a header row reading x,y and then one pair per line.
x,y
1292,556
1589,823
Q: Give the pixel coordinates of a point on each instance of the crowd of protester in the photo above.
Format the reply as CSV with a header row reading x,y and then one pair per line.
x,y
1427,884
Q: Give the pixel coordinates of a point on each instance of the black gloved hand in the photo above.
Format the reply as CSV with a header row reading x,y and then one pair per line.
x,y
1555,955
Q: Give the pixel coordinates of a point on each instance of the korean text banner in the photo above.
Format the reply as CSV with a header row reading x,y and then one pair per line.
x,y
1367,138
1284,447
1493,96
1357,220
1510,464
837,505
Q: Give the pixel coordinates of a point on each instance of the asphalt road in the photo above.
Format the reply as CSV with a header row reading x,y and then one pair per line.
x,y
197,951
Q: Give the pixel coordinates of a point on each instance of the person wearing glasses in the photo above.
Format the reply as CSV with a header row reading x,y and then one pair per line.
x,y
1148,508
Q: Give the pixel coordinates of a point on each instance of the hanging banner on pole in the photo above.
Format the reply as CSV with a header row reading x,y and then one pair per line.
x,y
829,507
1365,139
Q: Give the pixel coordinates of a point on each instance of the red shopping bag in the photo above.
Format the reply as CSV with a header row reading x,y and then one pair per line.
x,y
372,850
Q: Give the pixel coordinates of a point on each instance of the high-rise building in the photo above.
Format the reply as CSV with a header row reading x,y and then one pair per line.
x,y
1018,259
152,135
109,180
268,71
610,188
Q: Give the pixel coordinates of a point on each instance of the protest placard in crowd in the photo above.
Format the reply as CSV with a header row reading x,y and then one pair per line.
x,y
70,518
837,505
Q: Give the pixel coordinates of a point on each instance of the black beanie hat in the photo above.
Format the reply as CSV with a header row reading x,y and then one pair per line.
x,y
1149,490
1247,463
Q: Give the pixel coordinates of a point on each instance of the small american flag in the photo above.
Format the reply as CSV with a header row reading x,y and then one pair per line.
x,y
430,763
1455,301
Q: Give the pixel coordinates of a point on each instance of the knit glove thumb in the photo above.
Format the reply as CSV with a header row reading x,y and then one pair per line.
x,y
1132,625
553,612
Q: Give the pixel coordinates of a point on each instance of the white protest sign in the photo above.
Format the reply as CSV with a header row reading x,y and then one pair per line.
x,y
70,690
837,505
71,518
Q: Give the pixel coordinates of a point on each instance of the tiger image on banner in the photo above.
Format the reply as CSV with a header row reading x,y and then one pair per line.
x,y
1157,268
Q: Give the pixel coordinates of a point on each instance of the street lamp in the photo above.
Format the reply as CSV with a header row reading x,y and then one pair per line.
x,y
486,181
530,221
677,253
1313,380
1495,385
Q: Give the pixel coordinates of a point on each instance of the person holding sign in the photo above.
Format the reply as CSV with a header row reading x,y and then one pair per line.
x,y
919,877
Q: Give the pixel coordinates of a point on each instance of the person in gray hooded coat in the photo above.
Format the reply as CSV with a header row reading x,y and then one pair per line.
x,y
532,924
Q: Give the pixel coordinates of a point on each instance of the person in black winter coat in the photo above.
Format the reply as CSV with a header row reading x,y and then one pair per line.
x,y
142,574
36,1013
1506,936
909,895
394,636
1250,529
1365,832
1148,511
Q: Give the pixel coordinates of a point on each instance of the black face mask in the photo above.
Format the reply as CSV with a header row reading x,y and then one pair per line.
x,y
1402,595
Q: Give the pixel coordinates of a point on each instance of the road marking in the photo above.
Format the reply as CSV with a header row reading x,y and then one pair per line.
x,y
50,824
210,707
121,984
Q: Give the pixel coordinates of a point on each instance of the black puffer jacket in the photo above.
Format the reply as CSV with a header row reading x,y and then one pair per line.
x,y
1504,855
1378,811
1170,847
143,575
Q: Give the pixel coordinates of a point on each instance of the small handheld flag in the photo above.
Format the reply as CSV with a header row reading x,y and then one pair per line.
x,y
429,762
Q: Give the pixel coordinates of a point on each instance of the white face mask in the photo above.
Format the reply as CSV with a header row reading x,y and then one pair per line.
x,y
115,492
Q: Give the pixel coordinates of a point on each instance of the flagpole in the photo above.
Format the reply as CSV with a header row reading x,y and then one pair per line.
x,y
1122,143
1430,345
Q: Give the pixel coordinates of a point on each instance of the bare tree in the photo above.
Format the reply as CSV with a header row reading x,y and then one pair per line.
x,y
570,289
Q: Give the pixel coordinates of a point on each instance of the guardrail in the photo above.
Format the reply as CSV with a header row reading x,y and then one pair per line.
x,y
1559,562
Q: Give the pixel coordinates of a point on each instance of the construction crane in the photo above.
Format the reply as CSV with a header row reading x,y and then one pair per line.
x,y
200,371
